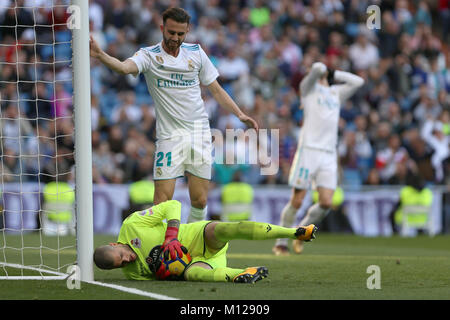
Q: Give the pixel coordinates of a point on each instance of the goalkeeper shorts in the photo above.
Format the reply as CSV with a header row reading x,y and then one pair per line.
x,y
192,236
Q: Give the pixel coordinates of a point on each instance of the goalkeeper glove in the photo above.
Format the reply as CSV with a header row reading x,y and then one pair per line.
x,y
171,244
162,273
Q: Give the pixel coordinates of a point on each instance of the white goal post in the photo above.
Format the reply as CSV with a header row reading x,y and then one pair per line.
x,y
83,154
28,250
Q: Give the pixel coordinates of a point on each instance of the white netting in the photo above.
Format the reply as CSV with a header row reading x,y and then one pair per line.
x,y
36,139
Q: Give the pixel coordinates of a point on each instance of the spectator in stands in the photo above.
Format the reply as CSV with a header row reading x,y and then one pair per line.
x,y
103,160
234,74
432,133
128,113
61,101
373,178
96,15
428,107
404,64
13,128
10,169
41,106
388,160
363,53
20,17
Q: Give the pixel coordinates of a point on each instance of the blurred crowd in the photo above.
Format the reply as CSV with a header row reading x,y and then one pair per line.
x,y
397,124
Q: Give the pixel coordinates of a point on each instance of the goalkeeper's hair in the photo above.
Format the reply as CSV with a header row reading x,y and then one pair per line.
x,y
103,257
177,14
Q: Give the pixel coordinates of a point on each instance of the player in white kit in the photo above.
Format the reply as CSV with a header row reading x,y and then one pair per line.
x,y
315,160
174,72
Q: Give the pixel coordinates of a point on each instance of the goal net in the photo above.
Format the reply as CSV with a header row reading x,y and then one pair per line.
x,y
38,225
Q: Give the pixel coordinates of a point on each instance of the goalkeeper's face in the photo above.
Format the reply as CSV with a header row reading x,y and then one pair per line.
x,y
174,34
123,255
114,255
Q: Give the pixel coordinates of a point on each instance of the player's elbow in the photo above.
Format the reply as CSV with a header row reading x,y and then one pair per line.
x,y
359,82
123,70
128,67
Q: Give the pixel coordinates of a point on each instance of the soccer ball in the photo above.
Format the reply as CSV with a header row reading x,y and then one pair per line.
x,y
176,266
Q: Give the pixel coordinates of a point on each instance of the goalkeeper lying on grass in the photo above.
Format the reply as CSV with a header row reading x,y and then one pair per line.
x,y
144,234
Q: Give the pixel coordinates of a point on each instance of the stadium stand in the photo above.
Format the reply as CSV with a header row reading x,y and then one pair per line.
x,y
263,49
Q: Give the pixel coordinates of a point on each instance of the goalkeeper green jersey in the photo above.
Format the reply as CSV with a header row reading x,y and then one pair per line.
x,y
142,231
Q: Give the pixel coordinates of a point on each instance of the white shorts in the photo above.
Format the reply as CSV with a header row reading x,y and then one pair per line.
x,y
177,155
313,166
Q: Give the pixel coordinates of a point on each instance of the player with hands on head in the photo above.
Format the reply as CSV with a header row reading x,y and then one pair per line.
x,y
322,91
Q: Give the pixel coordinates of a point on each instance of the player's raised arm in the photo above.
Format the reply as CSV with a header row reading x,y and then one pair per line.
x,y
318,69
126,67
225,101
351,83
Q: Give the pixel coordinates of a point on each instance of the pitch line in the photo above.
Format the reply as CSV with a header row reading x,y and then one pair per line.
x,y
64,276
133,290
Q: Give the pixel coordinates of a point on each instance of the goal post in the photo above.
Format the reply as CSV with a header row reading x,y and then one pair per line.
x,y
83,149
45,140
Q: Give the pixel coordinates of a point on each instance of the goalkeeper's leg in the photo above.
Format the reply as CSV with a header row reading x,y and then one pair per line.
x,y
203,272
217,234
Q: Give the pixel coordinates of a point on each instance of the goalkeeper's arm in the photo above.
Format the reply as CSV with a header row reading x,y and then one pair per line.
x,y
126,67
171,211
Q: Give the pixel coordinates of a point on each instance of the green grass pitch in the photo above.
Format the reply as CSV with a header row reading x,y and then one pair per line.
x,y
334,266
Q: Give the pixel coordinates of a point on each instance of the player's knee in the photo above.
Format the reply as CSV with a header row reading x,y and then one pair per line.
x,y
199,202
194,271
157,199
295,203
297,198
326,203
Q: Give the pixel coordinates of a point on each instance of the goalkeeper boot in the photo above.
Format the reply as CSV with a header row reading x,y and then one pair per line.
x,y
251,275
297,246
307,233
280,250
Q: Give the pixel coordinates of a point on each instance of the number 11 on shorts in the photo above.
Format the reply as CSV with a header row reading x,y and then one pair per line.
x,y
305,172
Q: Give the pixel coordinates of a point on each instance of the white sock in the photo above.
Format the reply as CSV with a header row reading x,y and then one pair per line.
x,y
315,214
288,215
286,220
197,214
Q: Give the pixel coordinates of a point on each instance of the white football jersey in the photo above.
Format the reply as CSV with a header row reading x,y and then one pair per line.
x,y
174,84
322,105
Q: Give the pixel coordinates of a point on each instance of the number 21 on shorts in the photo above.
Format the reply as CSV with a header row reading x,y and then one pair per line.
x,y
161,156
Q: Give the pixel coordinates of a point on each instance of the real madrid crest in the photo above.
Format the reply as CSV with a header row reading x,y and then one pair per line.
x,y
159,59
190,65
158,172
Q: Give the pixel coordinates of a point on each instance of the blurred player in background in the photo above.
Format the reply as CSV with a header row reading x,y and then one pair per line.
x,y
143,232
316,158
174,72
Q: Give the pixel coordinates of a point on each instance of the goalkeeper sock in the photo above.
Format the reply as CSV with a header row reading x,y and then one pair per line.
x,y
286,220
197,214
195,273
315,214
250,230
